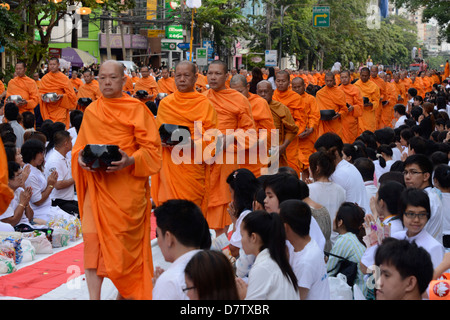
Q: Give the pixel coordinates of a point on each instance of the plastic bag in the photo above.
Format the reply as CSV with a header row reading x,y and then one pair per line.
x,y
28,251
7,265
41,244
357,293
60,237
339,289
16,244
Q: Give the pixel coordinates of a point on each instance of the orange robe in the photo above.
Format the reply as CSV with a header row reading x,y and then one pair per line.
x,y
400,91
227,82
135,79
262,116
76,83
38,83
446,70
285,124
306,144
115,207
88,90
233,112
189,179
368,120
201,83
407,82
128,86
2,87
331,99
388,110
148,84
427,84
292,100
383,96
59,110
6,193
350,120
166,85
418,85
27,89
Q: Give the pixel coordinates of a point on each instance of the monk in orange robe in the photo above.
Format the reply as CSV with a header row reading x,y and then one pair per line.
x,y
416,82
310,134
355,103
202,82
134,77
187,180
387,114
36,79
233,113
331,97
56,81
383,96
427,84
76,81
89,89
115,204
446,70
283,121
290,99
262,116
6,193
371,92
25,87
166,84
128,86
400,88
147,83
405,80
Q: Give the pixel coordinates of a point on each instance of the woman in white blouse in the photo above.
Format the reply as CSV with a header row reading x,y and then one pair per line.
x,y
271,276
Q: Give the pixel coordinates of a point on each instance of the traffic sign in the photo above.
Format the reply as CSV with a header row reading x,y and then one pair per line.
x,y
201,56
321,16
184,45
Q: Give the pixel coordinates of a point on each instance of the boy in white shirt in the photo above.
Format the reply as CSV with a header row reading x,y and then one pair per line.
x,y
182,231
305,256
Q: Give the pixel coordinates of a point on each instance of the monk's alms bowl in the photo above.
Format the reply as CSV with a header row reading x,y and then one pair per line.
x,y
15,98
169,131
100,156
84,102
50,97
141,94
327,114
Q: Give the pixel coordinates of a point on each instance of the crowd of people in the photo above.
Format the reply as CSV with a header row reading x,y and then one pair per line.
x,y
353,151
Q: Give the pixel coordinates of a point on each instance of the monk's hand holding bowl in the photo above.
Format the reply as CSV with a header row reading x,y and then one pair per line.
x,y
122,163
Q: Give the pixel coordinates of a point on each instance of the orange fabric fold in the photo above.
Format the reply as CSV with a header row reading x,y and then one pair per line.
x,y
388,110
233,113
120,201
201,83
76,83
59,110
383,96
27,89
189,179
128,87
368,119
166,85
306,145
88,90
6,193
148,84
331,99
350,120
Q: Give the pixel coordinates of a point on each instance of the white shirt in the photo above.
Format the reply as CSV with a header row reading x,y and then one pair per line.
x,y
371,189
36,180
267,282
236,238
400,121
62,165
379,170
348,177
311,271
329,194
18,131
446,219
434,225
396,154
170,284
12,207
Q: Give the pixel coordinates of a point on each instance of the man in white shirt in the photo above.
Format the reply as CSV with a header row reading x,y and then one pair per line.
x,y
345,174
305,256
63,193
182,231
418,174
11,114
367,169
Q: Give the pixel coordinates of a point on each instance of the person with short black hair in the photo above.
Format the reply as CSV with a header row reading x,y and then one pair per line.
x,y
182,231
12,115
405,270
399,114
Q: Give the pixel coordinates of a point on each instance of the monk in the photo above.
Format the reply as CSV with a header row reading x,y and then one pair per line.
x,y
115,203
25,87
76,81
147,83
282,118
331,97
446,70
202,82
37,79
355,103
262,116
56,81
416,82
189,179
371,92
166,84
383,95
310,134
89,89
233,112
290,99
405,80
6,193
134,77
128,87
387,114
400,88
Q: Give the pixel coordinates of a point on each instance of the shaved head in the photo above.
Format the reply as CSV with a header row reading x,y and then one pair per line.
x,y
114,64
238,79
111,79
221,63
186,63
264,90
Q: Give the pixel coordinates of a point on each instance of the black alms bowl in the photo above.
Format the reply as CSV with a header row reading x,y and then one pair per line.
x,y
141,94
100,156
327,114
84,102
167,131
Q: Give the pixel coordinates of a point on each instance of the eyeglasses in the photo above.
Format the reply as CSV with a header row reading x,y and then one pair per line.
x,y
412,172
188,288
413,215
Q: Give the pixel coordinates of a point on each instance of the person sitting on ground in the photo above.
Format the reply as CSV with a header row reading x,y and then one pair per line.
x,y
182,231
